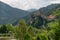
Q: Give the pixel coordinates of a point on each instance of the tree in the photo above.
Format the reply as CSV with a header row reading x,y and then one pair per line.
x,y
54,30
30,30
9,28
38,22
42,36
20,30
28,37
3,29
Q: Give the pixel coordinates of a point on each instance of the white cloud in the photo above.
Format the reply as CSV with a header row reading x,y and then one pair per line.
x,y
27,4
55,1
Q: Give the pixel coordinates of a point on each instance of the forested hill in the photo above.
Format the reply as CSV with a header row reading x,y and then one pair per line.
x,y
49,9
9,14
45,15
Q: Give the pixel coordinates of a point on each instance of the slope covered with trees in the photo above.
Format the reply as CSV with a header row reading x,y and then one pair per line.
x,y
9,14
45,15
39,26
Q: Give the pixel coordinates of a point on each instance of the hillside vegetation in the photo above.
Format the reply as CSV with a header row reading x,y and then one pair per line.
x,y
43,24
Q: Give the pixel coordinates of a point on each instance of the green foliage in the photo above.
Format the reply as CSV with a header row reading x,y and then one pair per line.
x,y
50,32
9,27
24,32
57,12
20,30
30,30
38,22
3,29
28,37
54,30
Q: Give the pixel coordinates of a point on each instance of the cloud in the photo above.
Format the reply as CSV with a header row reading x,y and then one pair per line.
x,y
55,1
28,4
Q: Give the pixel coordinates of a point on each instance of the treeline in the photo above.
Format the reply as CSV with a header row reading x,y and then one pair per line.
x,y
27,32
5,28
22,31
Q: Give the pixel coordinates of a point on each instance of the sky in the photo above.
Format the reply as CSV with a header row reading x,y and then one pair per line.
x,y
30,4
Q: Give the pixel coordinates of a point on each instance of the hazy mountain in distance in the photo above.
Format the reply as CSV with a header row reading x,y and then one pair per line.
x,y
32,10
9,14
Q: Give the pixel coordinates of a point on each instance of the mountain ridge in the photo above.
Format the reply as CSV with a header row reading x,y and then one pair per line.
x,y
12,15
8,13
